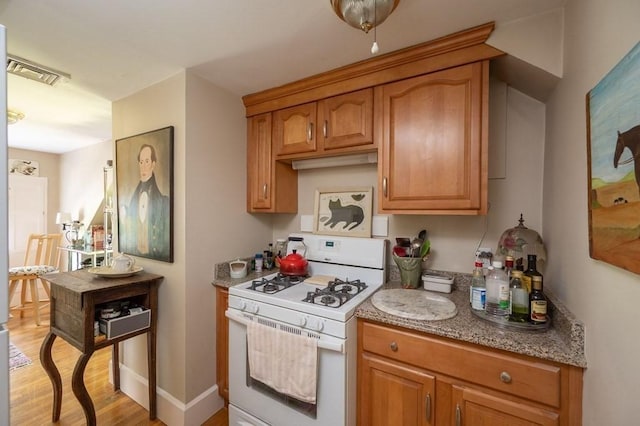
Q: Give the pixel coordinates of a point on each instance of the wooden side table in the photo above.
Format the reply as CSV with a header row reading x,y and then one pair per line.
x,y
75,297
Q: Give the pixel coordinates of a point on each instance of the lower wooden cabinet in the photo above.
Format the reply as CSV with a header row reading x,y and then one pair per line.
x,y
222,343
412,378
393,393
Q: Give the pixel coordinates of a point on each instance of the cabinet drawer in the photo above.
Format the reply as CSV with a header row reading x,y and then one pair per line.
x,y
521,376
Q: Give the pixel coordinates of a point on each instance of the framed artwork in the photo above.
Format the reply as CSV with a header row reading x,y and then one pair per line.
x,y
144,186
343,211
613,152
24,167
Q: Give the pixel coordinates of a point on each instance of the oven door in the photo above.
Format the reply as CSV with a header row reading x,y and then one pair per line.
x,y
272,408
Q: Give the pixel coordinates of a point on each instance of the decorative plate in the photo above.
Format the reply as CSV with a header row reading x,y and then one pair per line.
x,y
111,273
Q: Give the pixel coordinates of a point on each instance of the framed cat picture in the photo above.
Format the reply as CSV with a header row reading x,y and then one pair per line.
x,y
343,211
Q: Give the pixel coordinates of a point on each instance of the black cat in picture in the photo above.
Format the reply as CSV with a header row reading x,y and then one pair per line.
x,y
350,214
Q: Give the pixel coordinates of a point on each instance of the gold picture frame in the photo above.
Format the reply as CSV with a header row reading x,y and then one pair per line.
x,y
343,211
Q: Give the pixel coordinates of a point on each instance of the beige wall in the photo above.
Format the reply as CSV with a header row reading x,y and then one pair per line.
x,y
158,106
210,226
49,168
81,174
218,228
598,34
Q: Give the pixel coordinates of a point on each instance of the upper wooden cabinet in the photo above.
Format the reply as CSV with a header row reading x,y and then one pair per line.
x,y
272,187
340,124
434,142
423,109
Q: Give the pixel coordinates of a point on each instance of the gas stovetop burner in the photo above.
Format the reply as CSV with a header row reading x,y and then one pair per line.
x,y
336,293
275,284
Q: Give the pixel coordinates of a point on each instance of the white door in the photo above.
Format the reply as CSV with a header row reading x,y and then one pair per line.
x,y
27,213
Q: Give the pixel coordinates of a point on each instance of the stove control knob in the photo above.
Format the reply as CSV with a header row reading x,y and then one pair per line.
x,y
302,321
243,305
254,308
317,325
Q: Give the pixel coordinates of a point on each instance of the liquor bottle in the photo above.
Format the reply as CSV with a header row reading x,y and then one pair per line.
x,y
478,288
508,266
530,272
537,302
497,290
519,298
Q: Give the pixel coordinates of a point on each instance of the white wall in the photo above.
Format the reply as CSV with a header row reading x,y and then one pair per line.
x,y
597,35
454,239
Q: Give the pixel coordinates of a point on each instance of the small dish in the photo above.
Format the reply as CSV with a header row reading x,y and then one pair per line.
x,y
112,273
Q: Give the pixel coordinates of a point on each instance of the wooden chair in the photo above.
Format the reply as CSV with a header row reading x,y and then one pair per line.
x,y
42,257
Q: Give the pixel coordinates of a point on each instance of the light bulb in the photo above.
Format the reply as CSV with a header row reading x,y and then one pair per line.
x,y
374,48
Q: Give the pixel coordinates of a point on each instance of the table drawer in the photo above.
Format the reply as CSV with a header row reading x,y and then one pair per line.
x,y
518,375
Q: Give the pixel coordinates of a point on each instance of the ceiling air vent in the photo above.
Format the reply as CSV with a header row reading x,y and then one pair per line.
x,y
33,71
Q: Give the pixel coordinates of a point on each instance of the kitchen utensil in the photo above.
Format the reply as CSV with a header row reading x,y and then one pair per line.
x,y
294,264
425,248
422,234
403,242
415,247
238,268
399,251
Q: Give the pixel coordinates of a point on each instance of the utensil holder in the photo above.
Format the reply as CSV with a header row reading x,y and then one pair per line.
x,y
410,270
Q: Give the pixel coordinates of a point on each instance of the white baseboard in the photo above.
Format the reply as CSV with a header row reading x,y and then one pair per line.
x,y
171,411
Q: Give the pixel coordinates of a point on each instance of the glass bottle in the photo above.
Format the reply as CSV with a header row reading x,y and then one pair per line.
x,y
508,266
497,290
537,302
478,289
519,298
530,272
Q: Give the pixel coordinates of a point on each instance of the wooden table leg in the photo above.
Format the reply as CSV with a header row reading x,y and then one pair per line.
x,y
115,359
80,391
52,371
151,365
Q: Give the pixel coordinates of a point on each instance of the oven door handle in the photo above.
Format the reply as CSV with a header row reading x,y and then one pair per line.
x,y
322,344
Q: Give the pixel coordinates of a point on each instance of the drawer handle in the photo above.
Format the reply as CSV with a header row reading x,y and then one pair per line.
x,y
264,191
458,415
394,346
384,186
325,129
505,377
428,410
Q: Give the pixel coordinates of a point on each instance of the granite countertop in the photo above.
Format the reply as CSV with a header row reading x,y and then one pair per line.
x,y
563,342
223,275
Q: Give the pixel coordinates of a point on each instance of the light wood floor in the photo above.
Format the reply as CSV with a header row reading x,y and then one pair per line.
x,y
32,394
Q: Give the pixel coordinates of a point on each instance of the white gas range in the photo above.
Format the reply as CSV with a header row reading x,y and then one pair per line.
x,y
322,312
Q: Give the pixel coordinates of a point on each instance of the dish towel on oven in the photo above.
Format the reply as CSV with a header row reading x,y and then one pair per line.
x,y
286,362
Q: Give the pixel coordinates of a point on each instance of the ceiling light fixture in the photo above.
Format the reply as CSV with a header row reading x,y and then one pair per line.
x,y
364,14
14,116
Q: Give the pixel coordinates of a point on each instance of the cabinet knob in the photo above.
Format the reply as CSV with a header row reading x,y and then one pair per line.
x,y
505,377
394,346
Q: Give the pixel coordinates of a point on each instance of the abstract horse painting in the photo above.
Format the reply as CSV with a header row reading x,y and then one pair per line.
x,y
629,139
613,129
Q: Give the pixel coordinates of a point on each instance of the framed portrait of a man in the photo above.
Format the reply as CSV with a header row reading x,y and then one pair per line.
x,y
144,182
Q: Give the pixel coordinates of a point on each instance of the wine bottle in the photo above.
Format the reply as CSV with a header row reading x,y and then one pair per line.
x,y
537,302
530,272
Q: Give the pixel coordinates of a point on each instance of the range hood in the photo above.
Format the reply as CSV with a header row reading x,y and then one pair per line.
x,y
343,160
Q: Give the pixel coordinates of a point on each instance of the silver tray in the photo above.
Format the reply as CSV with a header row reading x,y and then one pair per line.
x,y
504,322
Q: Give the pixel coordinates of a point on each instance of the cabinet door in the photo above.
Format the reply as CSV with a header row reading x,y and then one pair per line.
x,y
472,407
222,343
294,129
434,142
394,394
346,121
259,163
